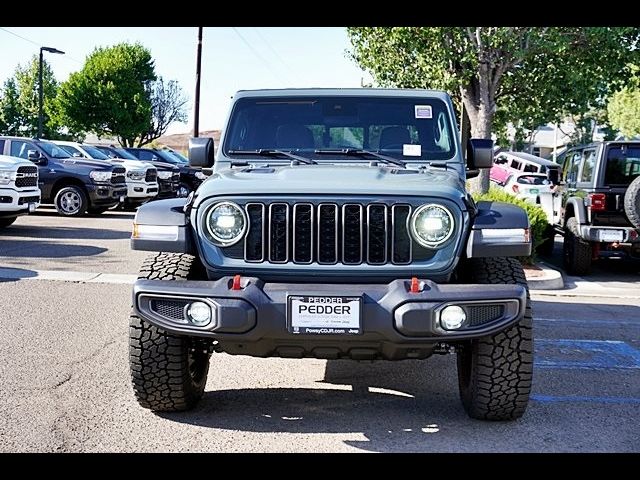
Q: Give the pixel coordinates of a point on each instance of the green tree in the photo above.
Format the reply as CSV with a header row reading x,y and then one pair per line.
x,y
531,74
624,111
110,95
19,103
168,105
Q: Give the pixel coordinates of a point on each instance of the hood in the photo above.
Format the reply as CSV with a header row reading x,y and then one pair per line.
x,y
131,164
333,180
85,162
7,162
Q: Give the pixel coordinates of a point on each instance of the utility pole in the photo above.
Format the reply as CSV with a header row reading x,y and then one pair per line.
x,y
196,111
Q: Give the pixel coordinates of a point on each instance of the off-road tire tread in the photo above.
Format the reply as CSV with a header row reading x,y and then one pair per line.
x,y
632,202
581,263
499,380
159,360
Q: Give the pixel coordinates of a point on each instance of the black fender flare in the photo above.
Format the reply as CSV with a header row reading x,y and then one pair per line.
x,y
499,230
173,232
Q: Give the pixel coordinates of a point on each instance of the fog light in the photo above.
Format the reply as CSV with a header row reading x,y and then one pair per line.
x,y
199,313
452,317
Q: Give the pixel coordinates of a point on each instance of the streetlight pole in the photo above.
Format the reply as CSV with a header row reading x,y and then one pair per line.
x,y
196,110
40,89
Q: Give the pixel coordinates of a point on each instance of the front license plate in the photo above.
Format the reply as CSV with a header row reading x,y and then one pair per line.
x,y
32,207
324,315
610,235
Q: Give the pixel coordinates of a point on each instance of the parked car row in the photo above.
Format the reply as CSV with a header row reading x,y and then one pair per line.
x,y
591,197
79,178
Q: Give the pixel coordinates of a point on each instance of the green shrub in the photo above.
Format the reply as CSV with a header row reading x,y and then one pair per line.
x,y
537,217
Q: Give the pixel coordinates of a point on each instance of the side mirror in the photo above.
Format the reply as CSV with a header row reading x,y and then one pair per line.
x,y
479,153
36,157
201,152
553,175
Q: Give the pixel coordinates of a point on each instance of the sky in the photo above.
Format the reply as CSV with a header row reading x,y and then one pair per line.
x,y
232,58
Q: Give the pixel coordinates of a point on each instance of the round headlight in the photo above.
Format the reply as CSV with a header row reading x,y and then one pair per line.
x,y
431,225
226,223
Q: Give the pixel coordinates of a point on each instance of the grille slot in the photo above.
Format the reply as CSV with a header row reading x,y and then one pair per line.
x,y
377,234
173,309
27,177
303,233
279,232
327,233
481,314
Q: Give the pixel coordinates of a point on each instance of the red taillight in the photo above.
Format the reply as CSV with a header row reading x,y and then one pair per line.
x,y
515,189
597,201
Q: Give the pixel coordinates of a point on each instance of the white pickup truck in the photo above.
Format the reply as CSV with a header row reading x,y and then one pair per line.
x,y
19,192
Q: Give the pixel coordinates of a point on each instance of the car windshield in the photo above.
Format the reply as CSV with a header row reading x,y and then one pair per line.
x,y
95,153
177,155
113,152
53,150
405,128
623,165
166,156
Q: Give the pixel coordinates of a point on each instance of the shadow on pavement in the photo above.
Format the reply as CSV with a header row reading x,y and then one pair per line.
x,y
15,274
38,249
68,233
108,215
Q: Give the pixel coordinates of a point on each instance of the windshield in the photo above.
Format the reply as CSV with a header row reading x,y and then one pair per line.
x,y
408,129
166,156
53,150
177,155
623,165
113,152
95,153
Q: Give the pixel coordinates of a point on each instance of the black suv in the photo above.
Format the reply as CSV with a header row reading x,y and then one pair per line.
x,y
598,203
168,175
73,185
190,178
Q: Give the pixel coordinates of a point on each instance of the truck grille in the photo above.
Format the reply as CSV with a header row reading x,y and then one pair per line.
x,y
175,177
326,233
152,175
27,177
117,175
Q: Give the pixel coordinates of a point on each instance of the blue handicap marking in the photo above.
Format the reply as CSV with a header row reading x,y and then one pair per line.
x,y
585,354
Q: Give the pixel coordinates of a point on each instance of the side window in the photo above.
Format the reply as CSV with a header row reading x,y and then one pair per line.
x,y
1,147
20,149
531,168
574,165
588,165
515,164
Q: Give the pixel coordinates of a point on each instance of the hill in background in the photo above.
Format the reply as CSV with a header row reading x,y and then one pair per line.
x,y
180,141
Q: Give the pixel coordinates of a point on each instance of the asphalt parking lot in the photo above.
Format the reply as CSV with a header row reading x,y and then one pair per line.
x,y
64,379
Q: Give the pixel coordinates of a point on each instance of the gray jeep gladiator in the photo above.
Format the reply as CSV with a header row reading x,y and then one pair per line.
x,y
336,224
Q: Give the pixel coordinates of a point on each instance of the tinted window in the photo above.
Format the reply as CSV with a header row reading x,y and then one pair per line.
x,y
623,165
72,151
21,149
515,164
1,146
571,165
53,150
94,152
307,123
533,180
529,167
588,165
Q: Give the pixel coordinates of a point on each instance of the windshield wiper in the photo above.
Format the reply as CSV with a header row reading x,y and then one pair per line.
x,y
357,152
268,152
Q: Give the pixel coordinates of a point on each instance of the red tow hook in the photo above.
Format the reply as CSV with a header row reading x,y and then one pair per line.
x,y
236,283
415,285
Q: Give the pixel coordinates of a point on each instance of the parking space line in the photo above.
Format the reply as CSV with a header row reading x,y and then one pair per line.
x,y
585,354
585,399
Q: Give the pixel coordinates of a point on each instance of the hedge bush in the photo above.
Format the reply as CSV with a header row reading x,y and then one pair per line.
x,y
537,217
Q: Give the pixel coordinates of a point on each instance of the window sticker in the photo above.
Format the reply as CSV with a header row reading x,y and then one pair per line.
x,y
411,150
423,111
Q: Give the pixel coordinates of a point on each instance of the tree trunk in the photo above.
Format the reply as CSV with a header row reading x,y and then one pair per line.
x,y
480,109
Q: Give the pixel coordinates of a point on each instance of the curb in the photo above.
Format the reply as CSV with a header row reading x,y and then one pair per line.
x,y
551,279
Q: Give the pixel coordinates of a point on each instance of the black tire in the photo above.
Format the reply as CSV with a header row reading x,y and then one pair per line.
x,y
71,201
495,372
632,202
6,221
546,247
168,372
576,252
97,210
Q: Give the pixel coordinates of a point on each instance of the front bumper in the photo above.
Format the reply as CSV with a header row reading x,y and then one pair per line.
x,y
17,201
106,194
167,188
142,190
395,322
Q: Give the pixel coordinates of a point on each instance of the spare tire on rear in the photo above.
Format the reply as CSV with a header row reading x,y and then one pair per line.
x,y
632,202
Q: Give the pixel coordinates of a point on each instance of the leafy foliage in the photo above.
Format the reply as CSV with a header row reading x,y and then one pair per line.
x,y
624,107
109,96
168,105
537,217
525,75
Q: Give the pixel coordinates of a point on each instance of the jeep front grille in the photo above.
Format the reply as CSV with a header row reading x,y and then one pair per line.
x,y
27,177
326,233
117,175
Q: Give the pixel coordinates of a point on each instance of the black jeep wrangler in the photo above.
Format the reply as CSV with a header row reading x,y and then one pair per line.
x,y
336,224
598,204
